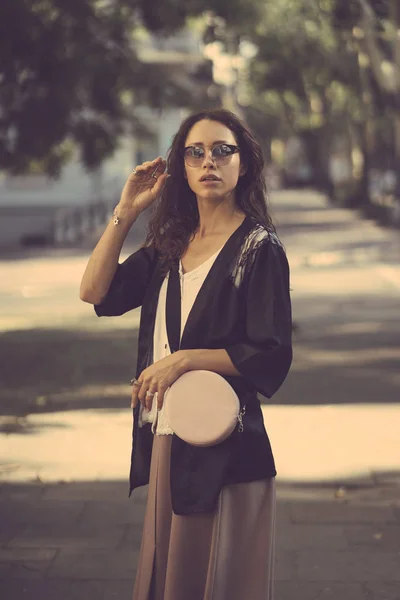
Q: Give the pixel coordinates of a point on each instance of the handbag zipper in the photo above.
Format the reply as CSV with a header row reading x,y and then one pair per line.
x,y
240,419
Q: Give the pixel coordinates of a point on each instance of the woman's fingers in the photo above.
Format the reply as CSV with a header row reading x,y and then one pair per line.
x,y
136,385
159,184
160,396
149,399
155,381
146,393
149,167
143,167
158,170
149,175
134,400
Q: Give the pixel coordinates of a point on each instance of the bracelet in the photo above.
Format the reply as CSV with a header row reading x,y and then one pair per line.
x,y
116,218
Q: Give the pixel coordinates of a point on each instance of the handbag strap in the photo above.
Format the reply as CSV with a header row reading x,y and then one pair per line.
x,y
173,308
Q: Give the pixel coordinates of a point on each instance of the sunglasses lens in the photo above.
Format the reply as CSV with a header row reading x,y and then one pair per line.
x,y
194,156
222,154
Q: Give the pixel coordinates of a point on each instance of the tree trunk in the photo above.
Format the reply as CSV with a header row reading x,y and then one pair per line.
x,y
388,79
395,18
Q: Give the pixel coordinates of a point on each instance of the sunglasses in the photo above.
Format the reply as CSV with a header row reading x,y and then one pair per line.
x,y
221,154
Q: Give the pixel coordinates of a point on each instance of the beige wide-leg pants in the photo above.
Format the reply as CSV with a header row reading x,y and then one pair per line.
x,y
226,555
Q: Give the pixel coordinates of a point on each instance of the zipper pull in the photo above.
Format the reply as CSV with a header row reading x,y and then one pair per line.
x,y
240,419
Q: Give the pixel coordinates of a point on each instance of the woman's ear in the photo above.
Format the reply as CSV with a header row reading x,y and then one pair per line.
x,y
242,170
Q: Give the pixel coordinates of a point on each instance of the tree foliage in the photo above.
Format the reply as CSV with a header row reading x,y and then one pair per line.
x,y
69,75
323,70
61,75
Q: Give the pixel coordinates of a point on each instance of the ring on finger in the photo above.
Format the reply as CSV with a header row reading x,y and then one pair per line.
x,y
150,394
134,381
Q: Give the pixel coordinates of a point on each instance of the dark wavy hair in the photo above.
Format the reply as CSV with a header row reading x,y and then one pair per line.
x,y
175,215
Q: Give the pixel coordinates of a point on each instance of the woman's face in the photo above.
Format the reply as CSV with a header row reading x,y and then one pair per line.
x,y
208,134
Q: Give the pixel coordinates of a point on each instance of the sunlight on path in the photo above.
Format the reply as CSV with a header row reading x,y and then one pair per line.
x,y
309,443
333,441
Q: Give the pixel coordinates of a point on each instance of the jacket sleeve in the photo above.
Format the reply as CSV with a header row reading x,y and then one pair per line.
x,y
264,355
129,284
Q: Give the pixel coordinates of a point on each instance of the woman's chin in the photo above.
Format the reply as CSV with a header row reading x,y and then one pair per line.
x,y
213,194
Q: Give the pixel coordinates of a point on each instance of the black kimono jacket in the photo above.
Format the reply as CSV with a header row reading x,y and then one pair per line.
x,y
244,307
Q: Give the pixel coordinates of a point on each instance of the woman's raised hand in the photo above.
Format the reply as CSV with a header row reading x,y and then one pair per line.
x,y
143,185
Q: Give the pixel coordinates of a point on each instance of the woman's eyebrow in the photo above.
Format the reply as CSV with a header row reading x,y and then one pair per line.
x,y
213,143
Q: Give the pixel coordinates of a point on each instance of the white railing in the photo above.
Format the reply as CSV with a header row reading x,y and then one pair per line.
x,y
74,225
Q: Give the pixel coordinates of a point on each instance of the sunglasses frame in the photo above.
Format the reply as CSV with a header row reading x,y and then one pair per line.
x,y
233,147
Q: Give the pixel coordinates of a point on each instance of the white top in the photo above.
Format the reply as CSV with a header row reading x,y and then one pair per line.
x,y
191,283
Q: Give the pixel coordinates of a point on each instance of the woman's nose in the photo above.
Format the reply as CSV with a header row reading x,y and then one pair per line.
x,y
208,159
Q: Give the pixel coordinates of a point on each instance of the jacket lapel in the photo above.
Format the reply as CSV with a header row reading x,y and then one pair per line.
x,y
197,318
148,319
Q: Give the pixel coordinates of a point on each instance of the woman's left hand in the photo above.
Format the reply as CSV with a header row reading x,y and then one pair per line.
x,y
158,378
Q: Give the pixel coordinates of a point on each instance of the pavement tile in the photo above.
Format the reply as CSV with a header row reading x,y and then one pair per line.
x,y
298,537
26,554
329,590
98,564
59,535
380,496
382,590
5,539
100,514
139,495
25,563
44,511
10,530
30,569
101,590
283,516
330,512
96,490
387,478
35,590
5,570
349,565
132,536
21,492
380,536
285,565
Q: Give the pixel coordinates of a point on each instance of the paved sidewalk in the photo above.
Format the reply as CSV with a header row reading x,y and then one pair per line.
x,y
68,530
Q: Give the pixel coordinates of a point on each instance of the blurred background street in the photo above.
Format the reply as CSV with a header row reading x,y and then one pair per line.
x,y
90,89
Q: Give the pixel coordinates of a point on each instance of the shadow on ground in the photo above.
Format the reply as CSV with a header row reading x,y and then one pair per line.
x,y
81,540
59,369
345,351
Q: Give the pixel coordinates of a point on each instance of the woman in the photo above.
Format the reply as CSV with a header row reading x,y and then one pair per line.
x,y
210,517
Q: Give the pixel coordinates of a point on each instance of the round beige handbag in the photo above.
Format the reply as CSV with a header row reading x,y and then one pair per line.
x,y
202,408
